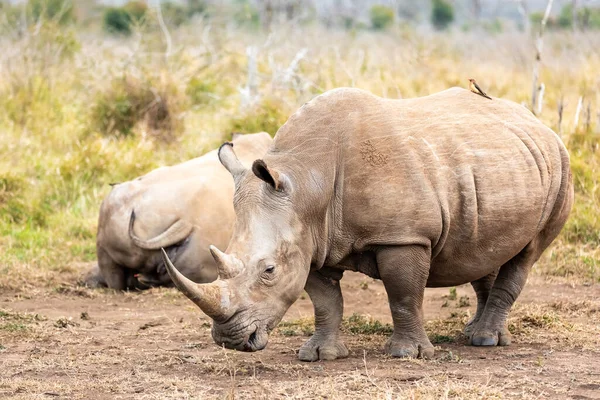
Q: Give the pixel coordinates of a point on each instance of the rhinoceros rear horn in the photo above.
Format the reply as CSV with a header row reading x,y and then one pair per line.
x,y
212,298
230,161
228,266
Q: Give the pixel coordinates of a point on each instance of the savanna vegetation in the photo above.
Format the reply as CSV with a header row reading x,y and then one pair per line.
x,y
83,105
91,95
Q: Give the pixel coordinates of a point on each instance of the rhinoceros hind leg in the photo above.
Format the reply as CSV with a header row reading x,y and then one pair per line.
x,y
490,329
404,271
482,289
323,287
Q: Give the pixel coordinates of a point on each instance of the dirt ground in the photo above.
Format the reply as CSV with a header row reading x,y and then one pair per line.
x,y
73,342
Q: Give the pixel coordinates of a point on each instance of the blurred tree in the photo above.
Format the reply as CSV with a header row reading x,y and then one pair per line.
x,y
116,20
120,20
442,14
381,17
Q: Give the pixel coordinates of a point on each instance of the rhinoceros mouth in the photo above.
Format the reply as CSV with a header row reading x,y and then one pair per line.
x,y
257,340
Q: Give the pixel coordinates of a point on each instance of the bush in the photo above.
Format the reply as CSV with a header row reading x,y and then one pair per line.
x,y
60,11
129,101
177,14
565,19
381,17
267,116
442,14
116,20
120,20
246,14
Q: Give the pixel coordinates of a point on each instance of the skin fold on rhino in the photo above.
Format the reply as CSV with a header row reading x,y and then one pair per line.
x,y
426,192
182,208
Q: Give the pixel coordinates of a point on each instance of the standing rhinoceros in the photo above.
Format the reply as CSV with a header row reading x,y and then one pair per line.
x,y
183,208
434,191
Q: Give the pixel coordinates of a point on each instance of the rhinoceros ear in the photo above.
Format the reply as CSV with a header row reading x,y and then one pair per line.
x,y
230,161
269,175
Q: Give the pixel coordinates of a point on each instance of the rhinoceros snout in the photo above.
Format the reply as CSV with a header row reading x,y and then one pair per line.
x,y
254,341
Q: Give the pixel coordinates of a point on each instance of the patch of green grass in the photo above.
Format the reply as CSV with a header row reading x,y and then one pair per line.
x,y
299,327
439,339
13,327
452,293
364,325
463,301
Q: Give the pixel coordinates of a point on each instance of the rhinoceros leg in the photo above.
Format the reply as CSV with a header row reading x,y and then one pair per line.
x,y
491,328
404,272
482,289
114,275
326,295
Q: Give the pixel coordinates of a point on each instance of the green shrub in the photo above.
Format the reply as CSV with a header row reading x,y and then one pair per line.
x,y
196,7
442,14
565,18
128,102
177,14
493,27
268,116
116,20
200,91
16,206
382,17
246,14
60,11
120,20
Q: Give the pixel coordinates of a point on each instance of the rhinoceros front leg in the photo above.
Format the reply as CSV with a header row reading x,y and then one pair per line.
x,y
326,296
404,271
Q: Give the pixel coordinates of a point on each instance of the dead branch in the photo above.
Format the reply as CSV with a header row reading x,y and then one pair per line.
x,y
540,103
577,113
163,28
538,55
561,107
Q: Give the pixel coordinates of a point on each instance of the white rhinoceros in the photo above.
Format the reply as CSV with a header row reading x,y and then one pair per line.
x,y
182,208
440,190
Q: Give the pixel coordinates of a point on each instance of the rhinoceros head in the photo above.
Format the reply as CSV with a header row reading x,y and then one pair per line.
x,y
267,262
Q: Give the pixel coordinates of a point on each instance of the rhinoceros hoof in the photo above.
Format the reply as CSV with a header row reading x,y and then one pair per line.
x,y
319,349
407,348
488,337
470,327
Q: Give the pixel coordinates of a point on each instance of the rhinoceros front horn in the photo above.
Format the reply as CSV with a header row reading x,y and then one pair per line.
x,y
212,298
228,266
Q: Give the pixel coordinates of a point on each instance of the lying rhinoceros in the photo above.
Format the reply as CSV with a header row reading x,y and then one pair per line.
x,y
183,208
434,191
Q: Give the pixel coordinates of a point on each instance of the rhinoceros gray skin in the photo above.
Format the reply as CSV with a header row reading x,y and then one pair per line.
x,y
426,192
183,208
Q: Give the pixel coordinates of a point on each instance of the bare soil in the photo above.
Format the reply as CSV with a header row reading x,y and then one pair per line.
x,y
73,343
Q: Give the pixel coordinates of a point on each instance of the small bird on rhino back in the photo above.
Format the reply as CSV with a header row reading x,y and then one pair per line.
x,y
474,87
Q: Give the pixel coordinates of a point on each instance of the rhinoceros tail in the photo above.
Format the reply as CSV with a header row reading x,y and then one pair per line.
x,y
175,233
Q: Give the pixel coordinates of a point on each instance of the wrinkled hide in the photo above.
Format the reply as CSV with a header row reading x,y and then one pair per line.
x,y
440,190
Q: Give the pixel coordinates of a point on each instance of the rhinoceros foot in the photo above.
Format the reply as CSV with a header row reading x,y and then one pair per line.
x,y
319,348
489,337
409,348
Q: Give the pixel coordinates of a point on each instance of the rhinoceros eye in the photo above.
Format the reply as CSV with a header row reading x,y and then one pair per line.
x,y
270,269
